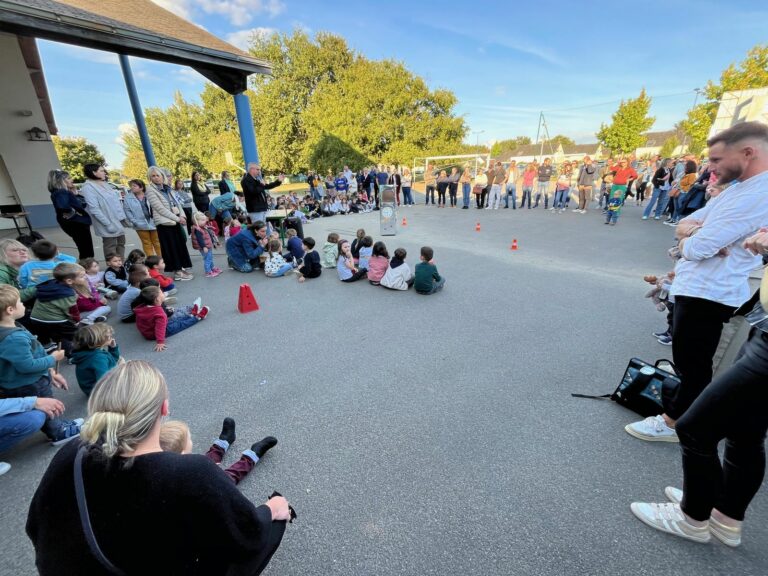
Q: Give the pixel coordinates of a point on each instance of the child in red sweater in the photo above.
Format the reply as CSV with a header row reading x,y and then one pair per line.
x,y
92,305
156,267
154,321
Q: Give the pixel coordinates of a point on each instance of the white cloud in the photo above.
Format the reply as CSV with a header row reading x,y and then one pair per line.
x,y
189,76
96,56
123,129
182,8
242,38
241,12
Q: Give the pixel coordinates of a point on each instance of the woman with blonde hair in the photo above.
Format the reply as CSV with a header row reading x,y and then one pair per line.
x,y
170,219
115,492
12,255
70,212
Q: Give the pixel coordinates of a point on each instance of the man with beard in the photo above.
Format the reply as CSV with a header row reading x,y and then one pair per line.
x,y
711,277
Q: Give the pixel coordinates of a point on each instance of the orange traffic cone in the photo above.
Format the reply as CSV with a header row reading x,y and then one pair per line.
x,y
514,244
247,301
477,227
405,222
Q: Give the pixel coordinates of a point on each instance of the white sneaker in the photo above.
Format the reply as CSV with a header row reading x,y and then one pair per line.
x,y
4,467
653,429
668,517
728,535
644,218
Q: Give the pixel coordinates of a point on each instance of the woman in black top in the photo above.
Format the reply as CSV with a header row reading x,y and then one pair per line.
x,y
200,192
151,512
70,212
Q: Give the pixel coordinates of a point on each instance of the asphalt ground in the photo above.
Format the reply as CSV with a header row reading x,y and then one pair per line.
x,y
436,434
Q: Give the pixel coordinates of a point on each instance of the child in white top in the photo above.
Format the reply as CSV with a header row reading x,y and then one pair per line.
x,y
275,264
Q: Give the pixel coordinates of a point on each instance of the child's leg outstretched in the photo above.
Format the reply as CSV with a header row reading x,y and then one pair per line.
x,y
248,460
183,318
226,438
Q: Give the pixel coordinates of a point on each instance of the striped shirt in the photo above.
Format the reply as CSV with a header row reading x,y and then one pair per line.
x,y
737,213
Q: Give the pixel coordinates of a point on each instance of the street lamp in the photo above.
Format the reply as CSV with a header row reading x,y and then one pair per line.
x,y
477,133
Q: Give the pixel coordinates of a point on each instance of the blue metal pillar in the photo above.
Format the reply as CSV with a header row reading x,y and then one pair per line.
x,y
245,124
138,113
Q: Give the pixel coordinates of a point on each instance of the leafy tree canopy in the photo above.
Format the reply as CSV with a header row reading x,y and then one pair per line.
x,y
73,153
628,125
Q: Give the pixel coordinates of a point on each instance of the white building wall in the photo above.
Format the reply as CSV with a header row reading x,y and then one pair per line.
x,y
24,165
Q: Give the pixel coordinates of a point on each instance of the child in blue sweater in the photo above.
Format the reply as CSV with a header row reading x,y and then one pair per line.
x,y
48,257
26,369
95,354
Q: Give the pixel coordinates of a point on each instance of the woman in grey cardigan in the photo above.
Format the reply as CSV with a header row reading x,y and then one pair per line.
x,y
103,203
169,217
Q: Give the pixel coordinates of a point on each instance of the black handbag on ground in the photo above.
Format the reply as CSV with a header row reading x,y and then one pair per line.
x,y
643,387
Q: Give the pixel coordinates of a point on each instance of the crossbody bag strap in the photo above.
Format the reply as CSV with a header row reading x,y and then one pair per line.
x,y
85,520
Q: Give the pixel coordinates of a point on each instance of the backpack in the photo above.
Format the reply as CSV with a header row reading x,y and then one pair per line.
x,y
31,238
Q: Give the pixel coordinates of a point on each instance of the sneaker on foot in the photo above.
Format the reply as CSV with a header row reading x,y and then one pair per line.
x,y
4,467
661,333
656,218
728,535
171,292
69,431
668,517
100,319
203,312
653,429
644,218
211,274
665,340
263,446
228,431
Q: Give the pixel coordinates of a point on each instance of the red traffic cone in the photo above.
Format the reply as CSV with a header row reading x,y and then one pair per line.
x,y
477,227
514,244
247,301
405,222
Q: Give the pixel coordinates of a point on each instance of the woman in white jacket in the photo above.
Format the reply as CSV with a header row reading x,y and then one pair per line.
x,y
398,276
103,204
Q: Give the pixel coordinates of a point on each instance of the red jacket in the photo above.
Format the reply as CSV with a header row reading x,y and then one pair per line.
x,y
623,176
163,280
151,322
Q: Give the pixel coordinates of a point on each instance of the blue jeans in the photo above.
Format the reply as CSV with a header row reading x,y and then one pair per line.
x,y
407,196
526,196
15,427
283,269
207,260
613,216
430,193
51,427
180,320
258,216
511,191
543,188
559,199
437,285
678,202
659,198
465,191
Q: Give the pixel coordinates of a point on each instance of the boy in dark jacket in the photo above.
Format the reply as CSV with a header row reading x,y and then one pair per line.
x,y
55,314
312,267
26,370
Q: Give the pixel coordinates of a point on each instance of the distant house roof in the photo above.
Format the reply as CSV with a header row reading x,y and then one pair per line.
x,y
133,27
581,148
654,139
527,150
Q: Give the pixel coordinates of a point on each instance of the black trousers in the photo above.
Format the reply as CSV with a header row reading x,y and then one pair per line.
x,y
732,407
480,198
441,189
360,274
697,325
453,189
430,193
81,234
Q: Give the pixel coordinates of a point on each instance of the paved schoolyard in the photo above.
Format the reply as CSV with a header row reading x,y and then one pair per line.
x,y
437,435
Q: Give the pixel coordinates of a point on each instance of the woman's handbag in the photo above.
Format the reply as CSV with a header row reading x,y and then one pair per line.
x,y
478,189
643,387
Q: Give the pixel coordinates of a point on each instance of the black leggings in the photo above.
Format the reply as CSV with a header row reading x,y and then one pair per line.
x,y
441,188
732,407
453,188
641,191
361,273
81,234
430,193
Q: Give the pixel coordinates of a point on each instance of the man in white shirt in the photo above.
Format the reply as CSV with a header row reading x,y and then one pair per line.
x,y
711,278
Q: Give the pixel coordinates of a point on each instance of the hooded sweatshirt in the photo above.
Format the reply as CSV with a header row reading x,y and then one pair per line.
x,y
91,365
330,255
397,275
56,302
23,360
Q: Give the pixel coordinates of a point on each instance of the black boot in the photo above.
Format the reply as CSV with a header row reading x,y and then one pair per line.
x,y
263,446
228,431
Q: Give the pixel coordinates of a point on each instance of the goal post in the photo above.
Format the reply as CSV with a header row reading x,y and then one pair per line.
x,y
420,163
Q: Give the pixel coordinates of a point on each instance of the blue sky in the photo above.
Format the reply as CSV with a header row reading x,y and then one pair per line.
x,y
505,63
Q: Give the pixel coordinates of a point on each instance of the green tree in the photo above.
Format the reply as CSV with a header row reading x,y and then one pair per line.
x,y
510,144
628,125
73,153
560,139
669,146
752,72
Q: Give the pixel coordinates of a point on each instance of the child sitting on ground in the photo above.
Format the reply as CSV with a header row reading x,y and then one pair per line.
x,y
427,280
134,257
94,354
27,371
325,207
366,251
156,266
96,278
115,276
614,208
204,240
275,265
311,267
295,247
91,305
398,275
48,257
154,323
55,315
378,263
175,437
137,274
357,243
346,268
331,251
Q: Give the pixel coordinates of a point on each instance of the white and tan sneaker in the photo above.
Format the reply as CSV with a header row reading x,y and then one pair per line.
x,y
667,517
